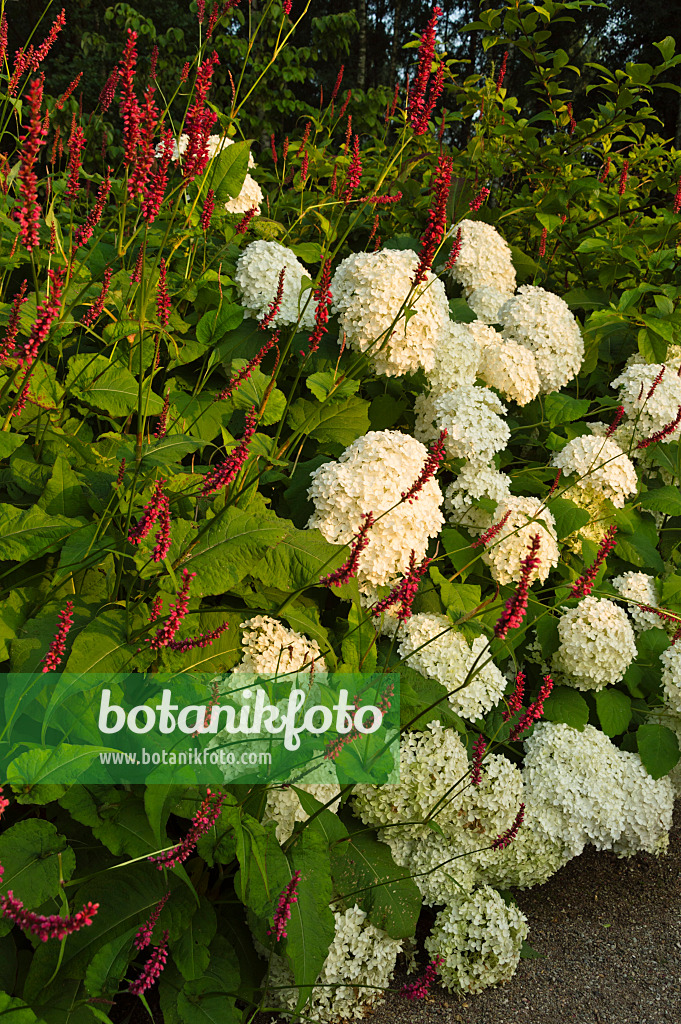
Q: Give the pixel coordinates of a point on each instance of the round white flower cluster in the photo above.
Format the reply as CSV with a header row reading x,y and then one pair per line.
x,y
507,366
250,196
530,860
457,355
601,468
647,413
432,764
527,517
484,260
542,322
271,649
475,480
257,277
584,790
284,806
480,937
359,964
441,867
472,418
434,648
369,291
671,678
639,589
370,476
486,303
597,644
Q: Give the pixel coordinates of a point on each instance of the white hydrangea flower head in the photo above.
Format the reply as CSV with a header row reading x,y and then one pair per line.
x,y
531,859
484,260
646,415
370,476
486,302
543,322
480,938
597,644
250,196
600,466
639,589
475,480
472,417
584,790
430,644
369,290
511,369
432,763
214,145
284,806
457,355
272,649
671,678
489,809
257,278
433,861
527,517
358,966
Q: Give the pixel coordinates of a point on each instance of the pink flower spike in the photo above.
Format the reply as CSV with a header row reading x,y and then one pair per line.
x,y
202,822
534,712
323,297
243,225
207,210
246,371
661,434
502,71
616,421
405,591
479,199
58,645
143,937
515,701
437,217
275,305
7,346
584,585
478,755
4,804
623,178
677,198
421,103
97,308
349,568
507,837
454,254
419,989
283,912
436,454
162,297
46,927
224,474
151,513
516,606
152,969
31,143
488,536
354,171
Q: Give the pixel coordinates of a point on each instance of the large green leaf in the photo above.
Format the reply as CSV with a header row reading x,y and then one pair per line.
x,y
299,560
664,499
110,387
569,517
190,951
63,495
33,532
311,929
614,710
231,547
341,420
15,1011
109,965
658,748
102,646
227,172
566,705
30,853
214,324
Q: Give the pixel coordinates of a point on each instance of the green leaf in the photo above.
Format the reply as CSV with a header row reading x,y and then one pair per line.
x,y
10,442
30,854
15,1011
298,560
308,252
664,499
27,534
252,392
39,767
63,495
103,645
190,951
322,384
232,547
311,928
263,871
658,748
569,517
666,47
107,386
227,171
214,324
652,347
566,705
614,711
109,964
561,408
341,420
359,645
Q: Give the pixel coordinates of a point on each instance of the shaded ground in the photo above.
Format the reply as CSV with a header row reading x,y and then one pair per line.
x,y
610,934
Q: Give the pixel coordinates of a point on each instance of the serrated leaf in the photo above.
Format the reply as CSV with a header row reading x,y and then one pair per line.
x,y
664,499
569,517
340,420
614,710
658,748
110,387
325,382
566,705
232,547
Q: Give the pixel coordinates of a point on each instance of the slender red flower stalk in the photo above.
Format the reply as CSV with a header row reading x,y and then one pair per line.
x,y
70,89
516,606
36,57
572,123
304,168
121,473
535,710
47,312
3,37
405,591
200,10
207,209
146,150
349,568
616,421
386,200
348,97
243,225
348,136
215,13
31,143
202,822
456,249
437,217
334,94
287,5
333,185
199,122
130,108
604,173
515,701
354,175
677,198
421,104
478,755
479,199
655,383
488,536
623,178
275,305
106,96
224,474
58,646
136,275
97,308
77,143
55,145
285,148
143,937
333,748
86,230
305,139
436,454
507,837
152,969
419,988
245,372
152,512
162,297
184,74
660,435
502,71
283,912
188,643
542,243
155,186
374,228
273,147
166,633
153,62
21,64
8,342
46,927
323,297
4,804
162,425
584,585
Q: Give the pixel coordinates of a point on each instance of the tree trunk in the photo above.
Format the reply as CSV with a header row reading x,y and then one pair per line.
x,y
397,24
362,54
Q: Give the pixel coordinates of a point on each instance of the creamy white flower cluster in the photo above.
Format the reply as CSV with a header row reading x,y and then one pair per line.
x,y
434,648
250,194
479,937
648,413
671,678
484,262
600,467
474,481
597,644
359,965
457,357
257,277
527,517
284,806
472,417
584,790
543,323
369,294
639,589
271,649
505,365
370,476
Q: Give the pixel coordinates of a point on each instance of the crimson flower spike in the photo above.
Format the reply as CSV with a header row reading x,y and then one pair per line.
x,y
283,912
488,536
224,474
4,803
534,712
7,346
244,223
162,425
245,372
419,989
657,381
202,822
621,189
70,89
155,186
554,485
275,305
339,79
189,643
616,421
46,927
436,454
516,606
86,230
158,508
515,701
478,755
677,198
97,308
207,209
502,71
47,312
56,649
322,296
456,249
479,199
31,142
354,171
507,837
349,568
584,585
162,297
152,969
143,936
421,105
437,217
405,591
199,122
661,434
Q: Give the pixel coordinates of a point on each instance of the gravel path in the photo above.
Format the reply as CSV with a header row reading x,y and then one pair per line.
x,y
609,931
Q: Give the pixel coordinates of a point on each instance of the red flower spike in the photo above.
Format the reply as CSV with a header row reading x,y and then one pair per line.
x,y
516,606
584,585
136,275
542,243
657,381
162,297
243,225
354,175
200,10
488,536
454,254
31,143
534,712
660,435
188,643
507,837
348,97
623,178
275,305
97,308
68,92
283,912
4,804
422,102
616,421
199,122
515,701
405,592
106,96
36,57
86,230
349,568
46,313
502,71
155,186
323,297
437,218
46,927
162,425
604,173
246,371
143,937
58,645
677,198
121,473
224,474
202,822
419,989
436,454
3,38
478,755
130,108
177,613
152,969
8,342
479,199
